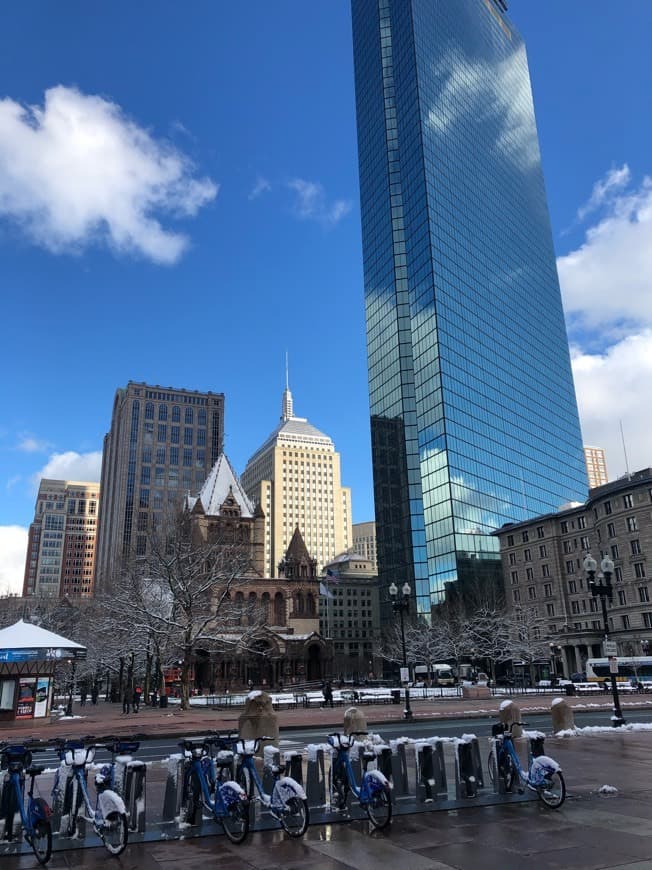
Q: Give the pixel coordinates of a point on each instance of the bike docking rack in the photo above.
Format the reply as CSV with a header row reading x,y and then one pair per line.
x,y
426,775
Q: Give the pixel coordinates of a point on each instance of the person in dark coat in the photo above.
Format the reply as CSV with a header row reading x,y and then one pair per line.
x,y
327,692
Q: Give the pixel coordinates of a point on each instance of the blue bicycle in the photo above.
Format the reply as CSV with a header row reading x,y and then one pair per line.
x,y
543,775
109,815
35,820
226,800
287,803
374,792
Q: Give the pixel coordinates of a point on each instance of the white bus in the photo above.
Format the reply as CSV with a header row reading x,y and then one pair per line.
x,y
629,668
438,675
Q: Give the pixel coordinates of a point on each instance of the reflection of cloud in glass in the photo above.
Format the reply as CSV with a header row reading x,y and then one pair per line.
x,y
491,92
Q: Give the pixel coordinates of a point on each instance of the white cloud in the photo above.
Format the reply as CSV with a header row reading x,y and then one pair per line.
x,y
29,444
606,282
77,171
612,387
311,203
71,466
261,186
614,180
13,549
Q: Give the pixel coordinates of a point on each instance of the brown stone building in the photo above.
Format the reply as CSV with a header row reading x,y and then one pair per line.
x,y
286,646
542,562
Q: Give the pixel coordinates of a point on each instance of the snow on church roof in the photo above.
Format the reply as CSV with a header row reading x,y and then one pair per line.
x,y
221,481
24,635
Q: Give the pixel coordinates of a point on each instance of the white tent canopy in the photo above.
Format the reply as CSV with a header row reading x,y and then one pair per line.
x,y
24,635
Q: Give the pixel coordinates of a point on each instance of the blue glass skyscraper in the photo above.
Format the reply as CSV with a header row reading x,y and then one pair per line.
x,y
473,413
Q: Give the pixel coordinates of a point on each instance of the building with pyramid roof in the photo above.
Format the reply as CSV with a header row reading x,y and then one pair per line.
x,y
295,478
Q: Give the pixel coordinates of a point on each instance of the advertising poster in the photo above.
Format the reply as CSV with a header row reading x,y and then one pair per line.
x,y
41,702
26,698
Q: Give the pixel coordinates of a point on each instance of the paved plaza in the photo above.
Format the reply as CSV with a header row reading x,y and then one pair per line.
x,y
591,830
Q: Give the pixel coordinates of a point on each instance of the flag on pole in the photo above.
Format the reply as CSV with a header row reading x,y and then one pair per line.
x,y
325,591
332,576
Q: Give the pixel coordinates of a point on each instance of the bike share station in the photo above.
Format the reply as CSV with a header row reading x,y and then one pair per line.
x,y
424,775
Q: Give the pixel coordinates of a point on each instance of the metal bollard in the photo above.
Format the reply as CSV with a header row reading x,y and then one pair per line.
x,y
294,766
135,795
173,787
315,777
465,771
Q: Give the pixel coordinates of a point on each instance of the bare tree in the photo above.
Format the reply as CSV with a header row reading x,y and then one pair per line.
x,y
529,636
181,597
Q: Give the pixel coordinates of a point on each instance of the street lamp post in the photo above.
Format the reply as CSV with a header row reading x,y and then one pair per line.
x,y
604,590
555,650
402,605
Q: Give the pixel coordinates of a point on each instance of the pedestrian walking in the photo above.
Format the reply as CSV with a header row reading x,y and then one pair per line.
x,y
126,702
138,693
327,692
94,694
83,694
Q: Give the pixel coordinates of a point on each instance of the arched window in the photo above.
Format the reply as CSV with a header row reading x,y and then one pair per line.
x,y
266,606
149,411
279,609
251,608
311,604
299,604
189,416
162,412
239,607
176,414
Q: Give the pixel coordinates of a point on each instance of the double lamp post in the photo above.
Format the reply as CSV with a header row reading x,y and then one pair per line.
x,y
602,588
401,605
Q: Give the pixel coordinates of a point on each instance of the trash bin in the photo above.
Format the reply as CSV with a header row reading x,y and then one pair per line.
x,y
570,688
396,696
163,701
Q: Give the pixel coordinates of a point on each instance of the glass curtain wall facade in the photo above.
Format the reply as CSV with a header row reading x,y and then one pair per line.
x,y
473,414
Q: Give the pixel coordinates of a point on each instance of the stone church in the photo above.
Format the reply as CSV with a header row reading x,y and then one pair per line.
x,y
271,638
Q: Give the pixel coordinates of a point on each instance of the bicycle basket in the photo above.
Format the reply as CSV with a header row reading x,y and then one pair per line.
x,y
245,747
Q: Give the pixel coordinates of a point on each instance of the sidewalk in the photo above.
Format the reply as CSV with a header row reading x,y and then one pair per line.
x,y
589,832
107,718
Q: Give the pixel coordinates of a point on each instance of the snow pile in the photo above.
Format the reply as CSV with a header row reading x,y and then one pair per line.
x,y
557,701
608,789
313,748
589,730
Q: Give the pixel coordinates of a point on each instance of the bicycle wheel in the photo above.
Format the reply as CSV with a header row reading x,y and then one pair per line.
x,y
236,821
506,772
339,789
553,791
245,780
114,833
295,817
379,808
41,841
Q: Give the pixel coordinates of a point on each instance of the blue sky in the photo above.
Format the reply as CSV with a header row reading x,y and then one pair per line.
x,y
230,232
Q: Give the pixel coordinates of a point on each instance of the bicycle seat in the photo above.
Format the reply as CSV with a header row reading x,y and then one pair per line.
x,y
35,770
341,741
247,747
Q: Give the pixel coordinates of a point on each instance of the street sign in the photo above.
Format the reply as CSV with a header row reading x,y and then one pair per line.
x,y
405,675
613,665
609,648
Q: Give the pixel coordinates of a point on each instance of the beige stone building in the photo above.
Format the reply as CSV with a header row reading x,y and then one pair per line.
x,y
542,562
596,466
295,478
350,616
364,541
61,543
